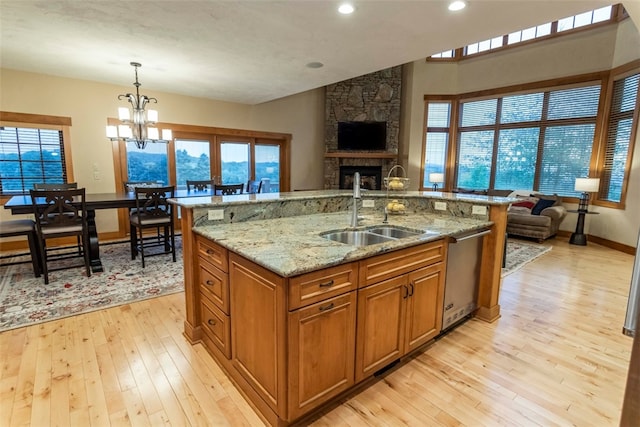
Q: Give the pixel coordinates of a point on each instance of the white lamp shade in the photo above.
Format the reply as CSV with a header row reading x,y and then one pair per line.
x,y
123,113
152,133
152,116
587,185
124,131
167,135
112,131
436,178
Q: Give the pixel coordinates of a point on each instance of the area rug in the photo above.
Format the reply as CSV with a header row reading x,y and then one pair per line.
x,y
520,253
26,300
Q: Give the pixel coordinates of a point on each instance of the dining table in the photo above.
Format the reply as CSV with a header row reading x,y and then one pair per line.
x,y
22,204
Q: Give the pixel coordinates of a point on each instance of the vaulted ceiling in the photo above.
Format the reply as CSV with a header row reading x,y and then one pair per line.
x,y
248,51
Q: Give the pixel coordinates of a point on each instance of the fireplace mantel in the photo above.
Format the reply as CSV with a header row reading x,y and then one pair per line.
x,y
361,155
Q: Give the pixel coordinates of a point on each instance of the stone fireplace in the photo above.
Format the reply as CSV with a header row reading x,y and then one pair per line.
x,y
370,177
372,97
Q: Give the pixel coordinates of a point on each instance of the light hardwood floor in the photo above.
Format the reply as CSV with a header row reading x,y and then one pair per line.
x,y
556,357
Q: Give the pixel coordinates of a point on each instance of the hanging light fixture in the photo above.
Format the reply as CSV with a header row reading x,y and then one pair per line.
x,y
136,126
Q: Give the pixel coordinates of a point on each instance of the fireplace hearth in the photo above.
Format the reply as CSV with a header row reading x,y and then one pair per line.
x,y
370,177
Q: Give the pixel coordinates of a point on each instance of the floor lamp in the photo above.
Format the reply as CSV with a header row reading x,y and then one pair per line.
x,y
585,186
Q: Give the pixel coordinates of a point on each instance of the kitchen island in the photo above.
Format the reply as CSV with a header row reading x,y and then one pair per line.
x,y
297,320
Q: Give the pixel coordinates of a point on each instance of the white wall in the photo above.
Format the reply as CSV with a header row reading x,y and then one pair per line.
x,y
585,52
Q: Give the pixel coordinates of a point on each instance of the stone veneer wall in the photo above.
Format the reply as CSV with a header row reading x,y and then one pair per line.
x,y
372,97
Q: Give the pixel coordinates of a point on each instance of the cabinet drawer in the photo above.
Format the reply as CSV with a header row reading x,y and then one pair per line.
x,y
215,254
322,284
214,284
395,263
216,327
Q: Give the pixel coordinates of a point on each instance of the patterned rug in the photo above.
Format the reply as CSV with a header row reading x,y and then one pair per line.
x,y
26,300
520,253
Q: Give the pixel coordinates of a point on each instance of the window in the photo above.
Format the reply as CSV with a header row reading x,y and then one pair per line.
x,y
234,158
193,161
549,29
148,164
436,139
268,167
32,152
620,134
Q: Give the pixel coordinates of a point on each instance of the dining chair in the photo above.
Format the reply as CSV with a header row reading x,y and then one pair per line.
x,y
254,186
152,211
130,186
200,185
229,189
60,186
22,227
60,213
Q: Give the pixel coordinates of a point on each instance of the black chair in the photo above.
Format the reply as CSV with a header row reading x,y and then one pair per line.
x,y
23,227
130,186
226,190
254,186
60,186
200,185
152,211
60,213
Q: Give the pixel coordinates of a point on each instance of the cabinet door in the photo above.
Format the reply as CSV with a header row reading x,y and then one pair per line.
x,y
381,325
424,305
321,352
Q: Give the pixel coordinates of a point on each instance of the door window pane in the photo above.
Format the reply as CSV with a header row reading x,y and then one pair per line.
x,y
268,167
149,164
192,161
234,159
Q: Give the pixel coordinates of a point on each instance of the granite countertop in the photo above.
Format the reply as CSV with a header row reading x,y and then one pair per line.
x,y
293,245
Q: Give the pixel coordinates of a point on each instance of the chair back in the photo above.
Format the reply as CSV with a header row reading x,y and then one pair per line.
x,y
59,212
254,186
152,203
226,190
56,186
130,186
200,185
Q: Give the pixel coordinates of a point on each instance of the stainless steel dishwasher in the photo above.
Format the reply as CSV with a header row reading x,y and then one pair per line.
x,y
463,275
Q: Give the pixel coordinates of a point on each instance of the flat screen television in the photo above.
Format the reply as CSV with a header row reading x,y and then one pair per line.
x,y
362,136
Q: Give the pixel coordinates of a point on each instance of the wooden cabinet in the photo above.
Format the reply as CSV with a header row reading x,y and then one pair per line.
x,y
321,352
398,315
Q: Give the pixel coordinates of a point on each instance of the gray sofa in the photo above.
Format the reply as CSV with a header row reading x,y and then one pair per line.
x,y
536,216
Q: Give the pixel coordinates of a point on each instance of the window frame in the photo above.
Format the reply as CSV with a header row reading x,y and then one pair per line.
x,y
39,121
605,78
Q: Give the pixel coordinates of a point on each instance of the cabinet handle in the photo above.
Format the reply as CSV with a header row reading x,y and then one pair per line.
x,y
211,322
209,282
327,284
210,251
406,291
326,307
411,286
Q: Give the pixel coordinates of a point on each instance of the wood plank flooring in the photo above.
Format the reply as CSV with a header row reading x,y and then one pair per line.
x,y
556,357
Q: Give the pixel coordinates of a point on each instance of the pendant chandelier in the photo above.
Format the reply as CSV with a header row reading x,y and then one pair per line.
x,y
137,125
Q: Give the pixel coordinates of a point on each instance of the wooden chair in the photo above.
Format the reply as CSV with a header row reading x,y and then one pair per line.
x,y
254,186
200,185
23,227
60,213
152,211
60,186
226,190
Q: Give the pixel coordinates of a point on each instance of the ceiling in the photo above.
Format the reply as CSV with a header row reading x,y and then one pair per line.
x,y
248,51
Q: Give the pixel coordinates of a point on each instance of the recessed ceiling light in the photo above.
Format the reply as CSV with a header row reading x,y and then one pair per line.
x,y
457,5
346,8
315,65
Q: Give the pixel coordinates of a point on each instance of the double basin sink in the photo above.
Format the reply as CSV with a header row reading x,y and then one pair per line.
x,y
372,236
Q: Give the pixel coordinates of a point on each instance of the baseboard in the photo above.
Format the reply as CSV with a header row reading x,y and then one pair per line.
x,y
603,242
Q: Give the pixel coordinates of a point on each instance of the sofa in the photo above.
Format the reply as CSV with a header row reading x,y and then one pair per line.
x,y
536,216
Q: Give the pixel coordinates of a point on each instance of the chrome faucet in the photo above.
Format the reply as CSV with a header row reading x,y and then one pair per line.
x,y
356,197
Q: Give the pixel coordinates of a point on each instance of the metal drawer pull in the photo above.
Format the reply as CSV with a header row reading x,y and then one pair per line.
x,y
209,282
406,291
210,252
326,285
326,307
211,322
411,286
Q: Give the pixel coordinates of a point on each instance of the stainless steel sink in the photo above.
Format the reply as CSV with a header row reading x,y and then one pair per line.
x,y
356,237
395,232
372,236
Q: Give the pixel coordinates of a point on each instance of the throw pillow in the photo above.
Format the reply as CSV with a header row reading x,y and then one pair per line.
x,y
542,205
523,207
525,203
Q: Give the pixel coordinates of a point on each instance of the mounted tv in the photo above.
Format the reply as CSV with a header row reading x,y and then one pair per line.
x,y
362,136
